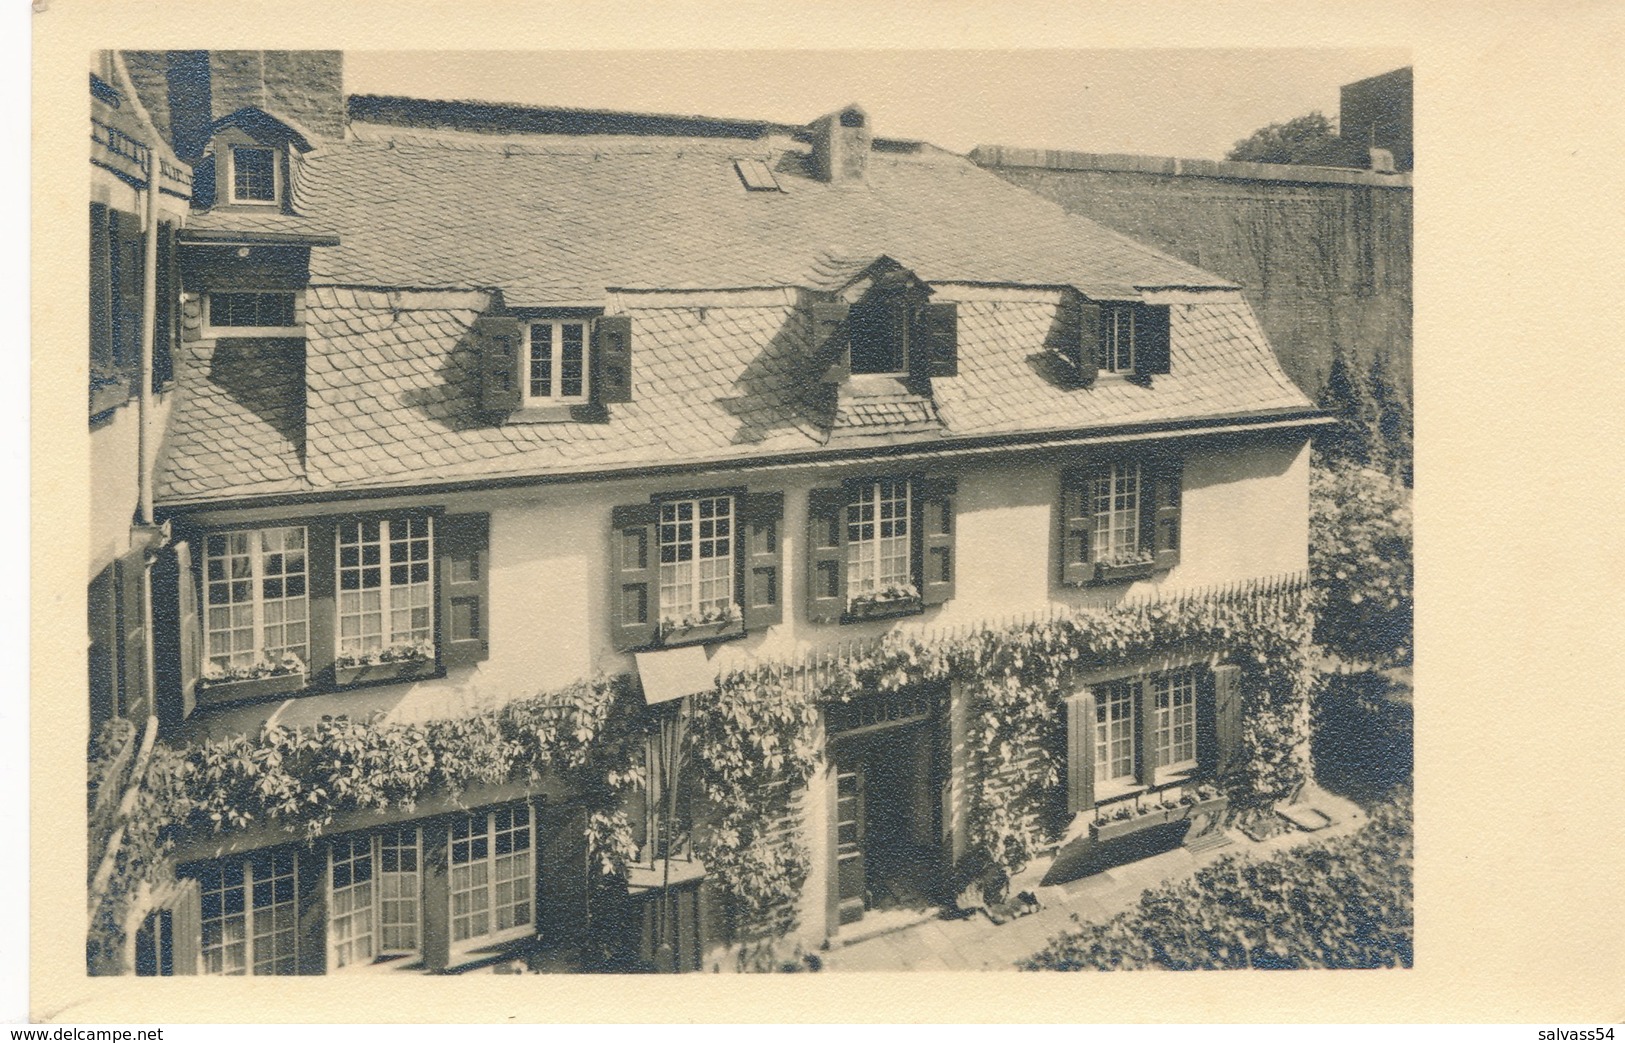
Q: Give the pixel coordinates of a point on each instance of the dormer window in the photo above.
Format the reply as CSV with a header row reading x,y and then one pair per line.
x,y
880,335
255,176
556,370
1115,350
253,313
1117,338
891,328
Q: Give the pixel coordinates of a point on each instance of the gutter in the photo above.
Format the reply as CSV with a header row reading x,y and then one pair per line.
x,y
936,449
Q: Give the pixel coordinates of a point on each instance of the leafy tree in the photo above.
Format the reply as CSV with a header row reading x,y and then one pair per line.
x,y
1392,416
1360,563
1354,439
1310,140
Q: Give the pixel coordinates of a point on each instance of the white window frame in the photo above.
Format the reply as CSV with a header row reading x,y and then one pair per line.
x,y
555,395
372,917
214,332
494,935
360,917
1107,698
386,587
693,601
871,551
1116,320
251,939
1169,722
1116,502
257,578
276,175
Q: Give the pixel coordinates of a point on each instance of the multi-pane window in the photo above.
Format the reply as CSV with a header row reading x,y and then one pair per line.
x,y
1174,697
491,873
696,556
386,584
1117,339
250,915
255,309
877,537
255,596
1114,500
253,175
350,900
373,904
1114,732
556,355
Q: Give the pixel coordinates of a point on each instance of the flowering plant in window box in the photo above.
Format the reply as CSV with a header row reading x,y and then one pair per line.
x,y
264,676
399,660
1125,565
1125,819
895,600
709,624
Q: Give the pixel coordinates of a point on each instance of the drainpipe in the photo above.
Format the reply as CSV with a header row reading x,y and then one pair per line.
x,y
149,334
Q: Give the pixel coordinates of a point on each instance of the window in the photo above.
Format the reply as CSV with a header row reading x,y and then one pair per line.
x,y
255,597
254,175
1117,339
1122,337
1174,697
696,557
491,874
250,915
1114,493
880,335
252,314
386,586
877,538
556,363
1114,735
373,904
1141,732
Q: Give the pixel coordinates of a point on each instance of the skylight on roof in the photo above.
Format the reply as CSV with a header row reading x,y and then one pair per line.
x,y
757,175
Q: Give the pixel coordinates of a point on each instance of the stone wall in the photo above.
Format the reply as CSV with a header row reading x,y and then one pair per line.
x,y
1323,254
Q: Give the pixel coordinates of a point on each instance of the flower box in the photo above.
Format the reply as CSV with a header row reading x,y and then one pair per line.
x,y
398,670
696,633
225,691
877,609
1124,571
1113,829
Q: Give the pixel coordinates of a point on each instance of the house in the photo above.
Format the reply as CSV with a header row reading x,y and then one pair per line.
x,y
474,402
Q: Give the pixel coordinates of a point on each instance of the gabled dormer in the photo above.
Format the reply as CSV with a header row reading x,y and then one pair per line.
x,y
251,162
882,325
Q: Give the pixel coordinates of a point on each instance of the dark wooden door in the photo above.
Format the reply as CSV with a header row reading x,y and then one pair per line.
x,y
850,785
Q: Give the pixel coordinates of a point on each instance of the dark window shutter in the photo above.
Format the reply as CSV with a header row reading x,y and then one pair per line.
x,y
129,261
1145,742
1077,528
177,633
830,339
763,601
826,555
435,939
612,358
635,589
1151,338
935,348
497,339
465,600
1086,350
1080,751
934,540
167,306
321,550
102,595
1207,726
132,583
1227,716
1160,513
102,359
185,927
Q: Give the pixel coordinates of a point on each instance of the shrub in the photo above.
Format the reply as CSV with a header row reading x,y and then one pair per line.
x,y
1343,904
1360,563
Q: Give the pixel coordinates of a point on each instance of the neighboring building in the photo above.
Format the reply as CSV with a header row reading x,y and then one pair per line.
x,y
476,401
1375,113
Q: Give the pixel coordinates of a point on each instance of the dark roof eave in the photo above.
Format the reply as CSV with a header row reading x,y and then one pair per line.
x,y
1239,423
234,237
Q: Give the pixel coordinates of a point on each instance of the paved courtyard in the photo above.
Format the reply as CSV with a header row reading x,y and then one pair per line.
x,y
976,943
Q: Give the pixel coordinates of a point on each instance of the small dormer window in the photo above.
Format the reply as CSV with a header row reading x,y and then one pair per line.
x,y
556,369
880,335
1116,348
255,177
253,313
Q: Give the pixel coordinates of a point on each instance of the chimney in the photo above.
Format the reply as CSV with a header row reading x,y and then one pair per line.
x,y
186,91
1382,161
840,145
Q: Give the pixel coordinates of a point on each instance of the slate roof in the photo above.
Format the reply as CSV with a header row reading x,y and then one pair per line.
x,y
388,392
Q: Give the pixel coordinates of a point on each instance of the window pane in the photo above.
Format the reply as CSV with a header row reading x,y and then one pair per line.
x,y
253,174
572,361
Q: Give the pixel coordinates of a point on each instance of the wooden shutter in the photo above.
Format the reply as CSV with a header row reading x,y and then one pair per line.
x,y
1077,528
1086,350
176,632
129,261
1207,726
934,539
634,600
934,351
612,358
1160,511
465,599
166,306
321,577
178,934
101,290
310,905
132,584
826,555
1151,353
1080,751
763,600
565,882
1227,717
830,338
497,341
1145,743
435,928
